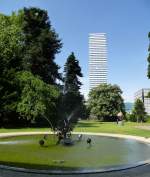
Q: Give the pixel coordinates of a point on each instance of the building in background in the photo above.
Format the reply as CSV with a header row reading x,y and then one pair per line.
x,y
97,59
142,95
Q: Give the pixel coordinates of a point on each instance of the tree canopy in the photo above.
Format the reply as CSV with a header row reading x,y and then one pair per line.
x,y
11,48
28,45
42,44
105,101
36,97
28,72
72,72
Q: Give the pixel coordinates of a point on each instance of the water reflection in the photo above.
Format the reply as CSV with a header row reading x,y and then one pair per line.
x,y
16,142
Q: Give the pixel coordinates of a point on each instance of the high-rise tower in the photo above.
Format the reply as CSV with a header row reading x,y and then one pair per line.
x,y
97,59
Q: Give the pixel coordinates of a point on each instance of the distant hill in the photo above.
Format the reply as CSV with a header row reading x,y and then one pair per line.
x,y
128,106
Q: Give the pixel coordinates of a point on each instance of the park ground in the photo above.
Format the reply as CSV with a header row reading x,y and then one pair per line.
x,y
129,128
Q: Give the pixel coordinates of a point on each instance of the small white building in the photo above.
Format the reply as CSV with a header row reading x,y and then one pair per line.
x,y
142,95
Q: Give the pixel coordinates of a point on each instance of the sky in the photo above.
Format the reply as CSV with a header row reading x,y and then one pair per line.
x,y
126,23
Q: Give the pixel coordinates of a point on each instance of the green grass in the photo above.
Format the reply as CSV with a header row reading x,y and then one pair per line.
x,y
129,128
9,130
96,126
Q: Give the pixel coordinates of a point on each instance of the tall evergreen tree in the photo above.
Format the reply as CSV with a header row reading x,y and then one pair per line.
x,y
72,98
42,44
72,72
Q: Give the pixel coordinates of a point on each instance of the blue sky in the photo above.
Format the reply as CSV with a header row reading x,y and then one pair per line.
x,y
126,22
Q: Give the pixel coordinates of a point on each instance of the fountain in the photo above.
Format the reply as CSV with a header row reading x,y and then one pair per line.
x,y
62,132
65,152
103,154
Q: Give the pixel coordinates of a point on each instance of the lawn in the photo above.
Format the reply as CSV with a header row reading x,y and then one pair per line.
x,y
129,128
96,126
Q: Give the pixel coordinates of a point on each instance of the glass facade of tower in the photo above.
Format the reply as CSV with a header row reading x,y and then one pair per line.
x,y
97,59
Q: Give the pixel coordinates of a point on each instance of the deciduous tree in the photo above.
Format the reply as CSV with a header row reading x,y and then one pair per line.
x,y
36,99
105,101
139,110
11,47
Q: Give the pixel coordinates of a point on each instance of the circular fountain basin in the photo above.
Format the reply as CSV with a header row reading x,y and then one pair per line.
x,y
24,153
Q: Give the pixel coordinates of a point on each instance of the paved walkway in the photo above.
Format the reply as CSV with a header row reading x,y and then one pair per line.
x,y
142,171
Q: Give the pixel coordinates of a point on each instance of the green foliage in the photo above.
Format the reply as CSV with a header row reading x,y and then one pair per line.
x,y
131,117
84,111
72,99
42,44
11,47
72,71
11,44
139,110
28,42
36,97
105,101
148,95
147,119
